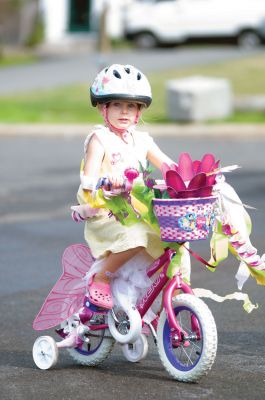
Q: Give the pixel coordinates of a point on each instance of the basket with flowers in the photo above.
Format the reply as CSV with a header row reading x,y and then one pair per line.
x,y
184,203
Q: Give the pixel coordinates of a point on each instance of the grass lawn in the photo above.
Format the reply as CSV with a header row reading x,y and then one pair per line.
x,y
16,59
70,104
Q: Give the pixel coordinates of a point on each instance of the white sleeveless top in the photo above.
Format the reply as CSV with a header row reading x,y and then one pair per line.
x,y
118,154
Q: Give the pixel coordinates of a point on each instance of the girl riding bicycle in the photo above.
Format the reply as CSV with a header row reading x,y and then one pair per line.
x,y
120,232
121,93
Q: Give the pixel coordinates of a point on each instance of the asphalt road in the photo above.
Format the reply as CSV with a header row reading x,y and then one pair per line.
x,y
79,68
39,178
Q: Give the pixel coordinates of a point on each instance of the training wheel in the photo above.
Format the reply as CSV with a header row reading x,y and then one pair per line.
x,y
136,351
45,352
125,326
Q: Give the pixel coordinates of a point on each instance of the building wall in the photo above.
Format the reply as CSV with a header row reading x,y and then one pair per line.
x,y
55,15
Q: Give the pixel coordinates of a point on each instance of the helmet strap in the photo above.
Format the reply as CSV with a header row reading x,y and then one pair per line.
x,y
137,117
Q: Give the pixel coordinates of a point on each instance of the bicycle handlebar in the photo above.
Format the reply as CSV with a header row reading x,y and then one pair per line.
x,y
105,184
130,174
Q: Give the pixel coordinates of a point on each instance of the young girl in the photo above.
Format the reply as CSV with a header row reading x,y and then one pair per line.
x,y
120,92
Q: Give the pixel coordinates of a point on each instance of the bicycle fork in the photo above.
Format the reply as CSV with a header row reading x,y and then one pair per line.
x,y
177,333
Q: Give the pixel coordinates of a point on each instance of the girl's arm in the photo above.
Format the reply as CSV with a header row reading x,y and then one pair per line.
x,y
93,161
157,157
94,158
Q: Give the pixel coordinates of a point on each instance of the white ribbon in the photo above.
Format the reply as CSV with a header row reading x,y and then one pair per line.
x,y
208,294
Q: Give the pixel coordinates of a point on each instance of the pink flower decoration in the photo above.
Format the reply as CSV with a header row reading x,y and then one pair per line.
x,y
227,230
105,80
190,178
131,174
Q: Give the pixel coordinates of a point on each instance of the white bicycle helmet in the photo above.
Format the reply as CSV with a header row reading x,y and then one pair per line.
x,y
121,82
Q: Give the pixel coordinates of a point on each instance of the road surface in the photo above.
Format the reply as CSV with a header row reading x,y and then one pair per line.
x,y
39,178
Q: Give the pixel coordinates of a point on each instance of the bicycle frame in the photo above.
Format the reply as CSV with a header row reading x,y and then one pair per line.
x,y
162,281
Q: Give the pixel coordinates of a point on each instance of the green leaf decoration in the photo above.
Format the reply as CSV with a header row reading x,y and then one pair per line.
x,y
174,265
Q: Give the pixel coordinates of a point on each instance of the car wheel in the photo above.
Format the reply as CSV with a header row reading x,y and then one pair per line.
x,y
145,40
249,40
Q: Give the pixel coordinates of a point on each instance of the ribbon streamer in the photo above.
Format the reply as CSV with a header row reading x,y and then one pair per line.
x,y
208,294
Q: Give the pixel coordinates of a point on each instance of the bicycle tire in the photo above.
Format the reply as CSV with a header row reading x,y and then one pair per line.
x,y
128,328
137,351
192,358
91,357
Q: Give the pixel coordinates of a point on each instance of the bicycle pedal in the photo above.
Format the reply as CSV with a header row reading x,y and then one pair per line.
x,y
93,307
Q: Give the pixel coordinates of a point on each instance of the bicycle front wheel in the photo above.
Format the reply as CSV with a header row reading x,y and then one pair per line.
x,y
190,358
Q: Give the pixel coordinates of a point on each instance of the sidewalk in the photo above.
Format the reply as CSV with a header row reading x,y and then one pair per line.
x,y
156,130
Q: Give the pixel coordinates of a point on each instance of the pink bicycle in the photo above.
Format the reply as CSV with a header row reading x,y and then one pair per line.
x,y
184,331
185,336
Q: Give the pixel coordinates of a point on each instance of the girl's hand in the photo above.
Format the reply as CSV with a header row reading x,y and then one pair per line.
x,y
113,186
117,181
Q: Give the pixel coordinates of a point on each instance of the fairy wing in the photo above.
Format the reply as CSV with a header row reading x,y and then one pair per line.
x,y
67,295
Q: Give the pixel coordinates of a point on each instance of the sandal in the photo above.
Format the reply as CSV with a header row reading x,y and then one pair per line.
x,y
100,294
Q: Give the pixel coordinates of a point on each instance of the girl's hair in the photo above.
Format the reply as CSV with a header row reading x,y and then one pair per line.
x,y
121,82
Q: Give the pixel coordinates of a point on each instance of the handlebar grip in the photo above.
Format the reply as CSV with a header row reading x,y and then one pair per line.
x,y
105,183
130,175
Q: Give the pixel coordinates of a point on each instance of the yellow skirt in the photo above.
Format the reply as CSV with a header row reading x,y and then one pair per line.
x,y
104,235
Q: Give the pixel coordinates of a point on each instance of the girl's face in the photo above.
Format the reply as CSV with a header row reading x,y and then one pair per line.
x,y
123,114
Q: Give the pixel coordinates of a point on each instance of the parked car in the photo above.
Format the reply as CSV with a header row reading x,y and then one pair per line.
x,y
155,22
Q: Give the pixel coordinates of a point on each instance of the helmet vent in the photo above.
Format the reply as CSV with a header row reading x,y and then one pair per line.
x,y
127,70
116,74
139,76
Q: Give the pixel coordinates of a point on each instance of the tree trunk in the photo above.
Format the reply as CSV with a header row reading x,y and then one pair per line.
x,y
103,38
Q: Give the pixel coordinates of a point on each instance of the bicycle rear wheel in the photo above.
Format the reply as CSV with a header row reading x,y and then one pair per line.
x,y
95,349
190,358
94,352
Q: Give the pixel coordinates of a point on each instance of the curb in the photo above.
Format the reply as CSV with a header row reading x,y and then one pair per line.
x,y
156,130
